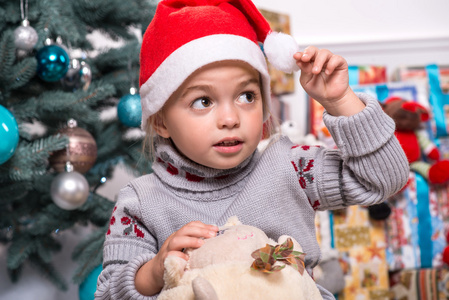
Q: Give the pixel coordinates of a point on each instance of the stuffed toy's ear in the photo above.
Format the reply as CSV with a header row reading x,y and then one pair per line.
x,y
232,221
203,290
416,108
392,99
173,270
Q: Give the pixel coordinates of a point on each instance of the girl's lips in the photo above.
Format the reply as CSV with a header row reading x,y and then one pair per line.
x,y
229,146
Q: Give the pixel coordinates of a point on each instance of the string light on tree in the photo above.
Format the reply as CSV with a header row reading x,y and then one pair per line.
x,y
9,134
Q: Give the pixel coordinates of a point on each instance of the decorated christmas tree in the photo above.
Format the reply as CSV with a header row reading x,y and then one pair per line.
x,y
60,137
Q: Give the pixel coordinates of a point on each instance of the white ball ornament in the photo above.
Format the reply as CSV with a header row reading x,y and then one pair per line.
x,y
25,36
69,190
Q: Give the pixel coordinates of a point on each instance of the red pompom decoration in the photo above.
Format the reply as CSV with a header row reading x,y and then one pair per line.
x,y
446,255
438,173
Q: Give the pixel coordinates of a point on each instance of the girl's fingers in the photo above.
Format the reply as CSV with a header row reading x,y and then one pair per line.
x,y
191,235
335,62
313,60
321,60
309,54
178,243
198,229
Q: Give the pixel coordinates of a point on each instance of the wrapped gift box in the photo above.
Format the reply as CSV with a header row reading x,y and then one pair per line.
x,y
416,226
361,246
420,284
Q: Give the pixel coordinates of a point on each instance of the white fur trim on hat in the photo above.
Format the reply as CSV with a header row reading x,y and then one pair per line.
x,y
191,56
279,49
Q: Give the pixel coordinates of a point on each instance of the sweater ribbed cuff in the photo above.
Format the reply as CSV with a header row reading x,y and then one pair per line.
x,y
115,252
123,282
362,133
331,187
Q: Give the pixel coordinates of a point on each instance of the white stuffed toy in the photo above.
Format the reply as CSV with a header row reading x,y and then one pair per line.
x,y
241,262
293,130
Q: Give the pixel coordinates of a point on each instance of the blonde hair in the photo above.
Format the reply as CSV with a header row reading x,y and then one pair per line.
x,y
151,135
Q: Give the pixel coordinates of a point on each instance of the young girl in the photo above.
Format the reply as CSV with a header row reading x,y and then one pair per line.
x,y
205,96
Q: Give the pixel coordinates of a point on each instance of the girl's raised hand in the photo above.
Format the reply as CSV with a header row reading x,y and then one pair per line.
x,y
324,77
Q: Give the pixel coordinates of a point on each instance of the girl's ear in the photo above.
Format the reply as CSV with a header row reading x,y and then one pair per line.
x,y
157,121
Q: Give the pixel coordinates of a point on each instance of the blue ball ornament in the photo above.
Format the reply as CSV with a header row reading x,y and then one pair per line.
x,y
9,134
129,110
89,285
52,63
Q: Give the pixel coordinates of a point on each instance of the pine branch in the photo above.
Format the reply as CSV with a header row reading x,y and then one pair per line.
x,y
57,17
7,53
136,160
14,191
89,254
21,73
20,249
98,210
56,107
51,218
47,244
104,167
30,159
110,140
49,271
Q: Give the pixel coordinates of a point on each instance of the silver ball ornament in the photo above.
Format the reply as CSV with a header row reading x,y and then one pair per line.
x,y
69,190
79,75
25,36
85,75
71,79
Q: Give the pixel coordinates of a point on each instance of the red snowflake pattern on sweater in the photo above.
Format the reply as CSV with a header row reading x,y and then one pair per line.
x,y
132,223
304,169
112,221
315,203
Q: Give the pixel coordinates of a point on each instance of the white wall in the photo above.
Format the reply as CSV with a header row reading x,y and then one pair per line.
x,y
366,32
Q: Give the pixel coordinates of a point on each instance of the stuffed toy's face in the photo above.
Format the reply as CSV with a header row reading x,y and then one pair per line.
x,y
232,244
405,120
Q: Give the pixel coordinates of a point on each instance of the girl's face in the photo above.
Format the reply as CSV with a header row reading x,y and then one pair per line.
x,y
215,118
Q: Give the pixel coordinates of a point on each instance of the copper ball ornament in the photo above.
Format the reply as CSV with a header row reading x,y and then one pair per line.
x,y
81,151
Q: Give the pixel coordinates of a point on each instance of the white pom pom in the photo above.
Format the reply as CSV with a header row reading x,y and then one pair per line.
x,y
279,49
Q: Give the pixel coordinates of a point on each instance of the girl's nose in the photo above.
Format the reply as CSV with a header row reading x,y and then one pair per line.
x,y
228,116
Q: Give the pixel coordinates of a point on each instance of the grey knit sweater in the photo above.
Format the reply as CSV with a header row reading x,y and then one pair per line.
x,y
277,190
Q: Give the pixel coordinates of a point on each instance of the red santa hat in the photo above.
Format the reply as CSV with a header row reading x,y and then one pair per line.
x,y
186,35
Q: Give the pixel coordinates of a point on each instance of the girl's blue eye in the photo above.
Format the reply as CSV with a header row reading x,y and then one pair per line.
x,y
201,103
247,97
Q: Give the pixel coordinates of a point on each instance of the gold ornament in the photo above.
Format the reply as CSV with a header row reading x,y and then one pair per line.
x,y
81,151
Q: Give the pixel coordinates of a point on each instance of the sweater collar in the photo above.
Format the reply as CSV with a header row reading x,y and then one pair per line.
x,y
189,177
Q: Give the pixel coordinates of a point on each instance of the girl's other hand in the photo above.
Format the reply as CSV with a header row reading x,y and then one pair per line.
x,y
149,278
